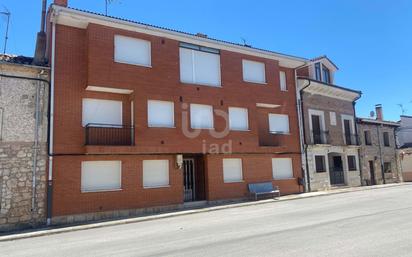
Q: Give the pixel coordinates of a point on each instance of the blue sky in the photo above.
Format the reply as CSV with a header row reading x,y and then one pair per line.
x,y
370,40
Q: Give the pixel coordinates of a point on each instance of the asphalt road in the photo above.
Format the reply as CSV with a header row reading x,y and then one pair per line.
x,y
364,223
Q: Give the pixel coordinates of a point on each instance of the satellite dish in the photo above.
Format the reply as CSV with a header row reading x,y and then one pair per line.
x,y
372,114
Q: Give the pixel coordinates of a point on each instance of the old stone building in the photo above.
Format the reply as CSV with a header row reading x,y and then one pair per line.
x,y
378,150
23,142
404,136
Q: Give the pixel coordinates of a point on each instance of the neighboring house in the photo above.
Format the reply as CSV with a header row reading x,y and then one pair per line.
x,y
404,135
146,117
331,147
23,142
378,150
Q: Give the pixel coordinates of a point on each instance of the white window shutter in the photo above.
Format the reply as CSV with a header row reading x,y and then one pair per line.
x,y
254,71
282,168
132,51
238,118
186,65
160,113
201,116
232,170
155,173
100,175
278,123
282,77
207,68
102,112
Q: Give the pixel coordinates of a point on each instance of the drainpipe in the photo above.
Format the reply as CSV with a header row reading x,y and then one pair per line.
x,y
380,154
358,141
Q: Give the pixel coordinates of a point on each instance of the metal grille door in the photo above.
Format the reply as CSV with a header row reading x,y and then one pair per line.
x,y
189,179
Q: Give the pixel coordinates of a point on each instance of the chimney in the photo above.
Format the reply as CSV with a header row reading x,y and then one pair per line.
x,y
40,52
61,2
379,112
201,35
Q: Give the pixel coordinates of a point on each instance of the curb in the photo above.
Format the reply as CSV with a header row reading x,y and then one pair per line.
x,y
53,231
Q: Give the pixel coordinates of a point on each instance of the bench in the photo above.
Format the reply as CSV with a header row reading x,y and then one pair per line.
x,y
264,188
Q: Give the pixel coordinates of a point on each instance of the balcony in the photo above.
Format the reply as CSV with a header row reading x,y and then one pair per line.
x,y
351,139
320,137
109,135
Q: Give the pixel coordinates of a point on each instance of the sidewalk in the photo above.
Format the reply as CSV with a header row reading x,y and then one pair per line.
x,y
58,230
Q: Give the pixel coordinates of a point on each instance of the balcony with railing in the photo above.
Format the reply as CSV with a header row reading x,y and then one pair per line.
x,y
109,135
319,137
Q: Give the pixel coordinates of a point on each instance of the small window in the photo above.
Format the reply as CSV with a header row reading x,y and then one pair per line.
x,y
282,168
102,112
278,123
317,71
283,82
320,163
199,65
100,176
238,118
160,113
232,170
201,116
352,163
132,51
387,167
367,135
155,173
254,72
325,74
332,116
386,139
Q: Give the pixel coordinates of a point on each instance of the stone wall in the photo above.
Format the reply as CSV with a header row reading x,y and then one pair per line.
x,y
17,147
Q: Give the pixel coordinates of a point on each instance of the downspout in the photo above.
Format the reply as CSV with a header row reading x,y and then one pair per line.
x,y
304,146
380,154
358,141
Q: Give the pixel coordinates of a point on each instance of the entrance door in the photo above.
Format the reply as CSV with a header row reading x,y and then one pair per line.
x,y
336,173
189,179
316,131
372,172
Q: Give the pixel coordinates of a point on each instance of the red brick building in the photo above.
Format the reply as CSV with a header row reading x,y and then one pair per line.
x,y
143,116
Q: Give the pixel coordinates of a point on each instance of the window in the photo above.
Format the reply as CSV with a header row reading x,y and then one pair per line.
x,y
199,65
332,116
102,112
238,118
386,139
352,163
232,170
100,176
160,113
317,71
254,72
282,168
283,84
320,163
201,116
387,167
367,135
155,173
278,123
132,51
325,74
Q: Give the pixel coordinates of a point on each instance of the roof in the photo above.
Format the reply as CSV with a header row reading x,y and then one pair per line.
x,y
378,122
406,145
16,59
150,27
326,58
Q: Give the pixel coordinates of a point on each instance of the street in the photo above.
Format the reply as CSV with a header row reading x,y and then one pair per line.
x,y
364,223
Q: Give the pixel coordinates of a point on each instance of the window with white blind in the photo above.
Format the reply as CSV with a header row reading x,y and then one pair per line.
x,y
278,123
254,71
238,118
160,113
282,78
155,173
282,168
102,112
201,116
232,170
132,51
101,176
199,65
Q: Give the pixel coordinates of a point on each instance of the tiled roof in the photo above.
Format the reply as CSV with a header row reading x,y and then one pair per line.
x,y
374,121
16,59
324,57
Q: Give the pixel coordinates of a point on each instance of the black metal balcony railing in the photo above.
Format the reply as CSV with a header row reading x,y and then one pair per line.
x,y
320,137
108,134
351,139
